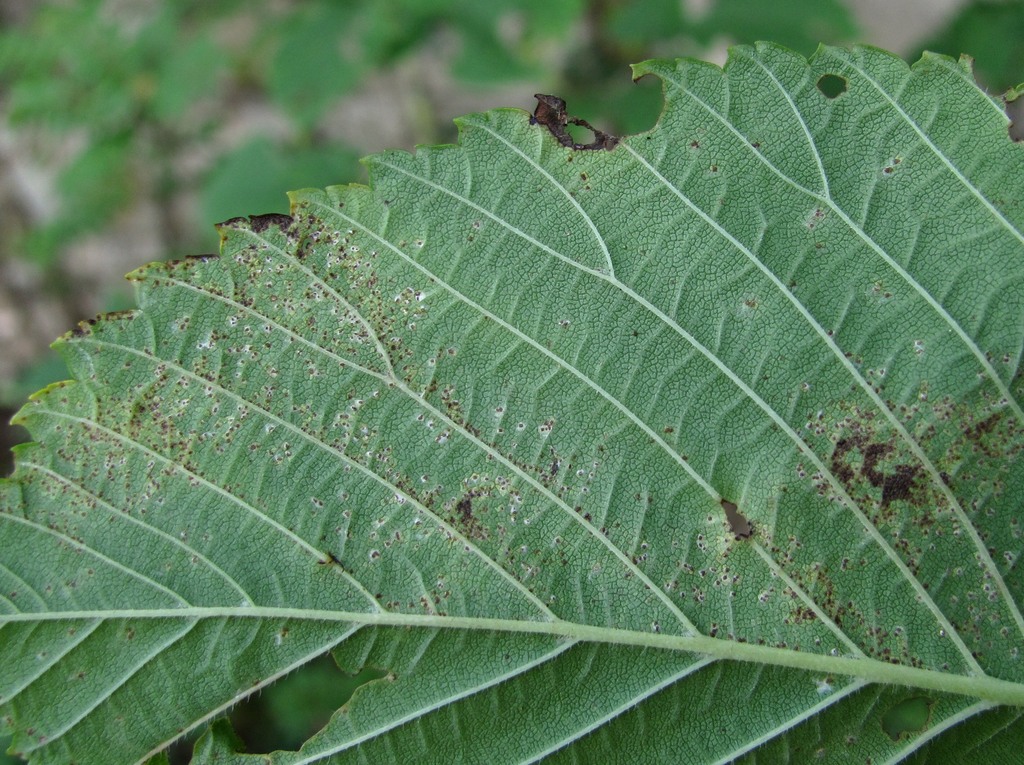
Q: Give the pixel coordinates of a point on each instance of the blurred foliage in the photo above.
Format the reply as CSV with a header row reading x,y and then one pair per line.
x,y
265,171
644,25
992,31
6,759
907,717
139,84
122,86
137,87
799,24
48,367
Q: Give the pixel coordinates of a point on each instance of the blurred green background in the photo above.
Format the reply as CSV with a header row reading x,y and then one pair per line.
x,y
129,127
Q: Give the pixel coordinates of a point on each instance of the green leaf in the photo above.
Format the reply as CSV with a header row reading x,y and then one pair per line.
x,y
185,77
703,448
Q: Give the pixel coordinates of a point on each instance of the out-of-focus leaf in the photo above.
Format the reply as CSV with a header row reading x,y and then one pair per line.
x,y
621,107
251,177
640,23
798,24
482,58
188,75
317,61
93,186
47,369
993,32
297,706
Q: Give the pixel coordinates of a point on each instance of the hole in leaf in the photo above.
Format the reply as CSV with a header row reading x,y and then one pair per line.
x,y
831,85
908,717
738,523
580,134
10,435
298,705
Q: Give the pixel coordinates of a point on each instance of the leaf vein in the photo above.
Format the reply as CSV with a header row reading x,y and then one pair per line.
x,y
263,517
51,659
317,443
439,704
115,683
622,709
79,545
859,231
557,501
564,191
147,528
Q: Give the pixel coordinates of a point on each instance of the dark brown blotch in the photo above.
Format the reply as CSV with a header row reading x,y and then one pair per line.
x,y
897,482
261,223
551,113
332,560
465,508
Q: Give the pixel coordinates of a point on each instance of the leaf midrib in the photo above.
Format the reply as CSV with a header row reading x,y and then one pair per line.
x,y
442,416
983,687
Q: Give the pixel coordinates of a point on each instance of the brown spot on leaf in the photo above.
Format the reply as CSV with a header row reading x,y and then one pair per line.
x,y
236,222
897,480
463,513
899,485
873,453
465,508
261,223
985,435
332,560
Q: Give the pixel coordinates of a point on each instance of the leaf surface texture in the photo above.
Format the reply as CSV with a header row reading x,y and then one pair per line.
x,y
703,448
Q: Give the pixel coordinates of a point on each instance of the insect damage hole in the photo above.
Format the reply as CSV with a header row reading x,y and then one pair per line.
x,y
551,113
908,717
320,685
832,85
738,523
